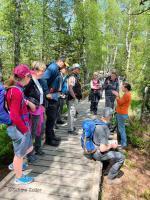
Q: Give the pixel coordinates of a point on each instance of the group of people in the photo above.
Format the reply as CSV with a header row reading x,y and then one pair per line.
x,y
112,99
106,151
31,94
39,91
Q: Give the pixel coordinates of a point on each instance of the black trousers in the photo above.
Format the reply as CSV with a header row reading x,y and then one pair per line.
x,y
51,113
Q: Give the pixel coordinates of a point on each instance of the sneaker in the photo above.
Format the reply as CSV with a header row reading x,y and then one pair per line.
x,y
23,180
24,166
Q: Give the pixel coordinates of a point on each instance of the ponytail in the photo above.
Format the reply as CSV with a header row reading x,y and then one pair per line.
x,y
10,82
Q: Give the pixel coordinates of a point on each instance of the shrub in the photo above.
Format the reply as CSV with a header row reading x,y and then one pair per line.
x,y
6,151
135,134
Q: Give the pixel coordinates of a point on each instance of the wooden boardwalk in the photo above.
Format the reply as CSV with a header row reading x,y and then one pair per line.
x,y
63,173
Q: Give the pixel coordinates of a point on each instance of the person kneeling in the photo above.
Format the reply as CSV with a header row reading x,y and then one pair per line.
x,y
102,149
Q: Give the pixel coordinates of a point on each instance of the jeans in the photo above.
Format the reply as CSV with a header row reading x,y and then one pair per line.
x,y
117,159
121,127
51,113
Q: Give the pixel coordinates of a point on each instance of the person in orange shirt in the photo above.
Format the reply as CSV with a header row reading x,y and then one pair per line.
x,y
123,104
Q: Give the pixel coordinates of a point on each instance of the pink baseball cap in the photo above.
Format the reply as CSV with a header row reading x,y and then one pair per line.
x,y
22,70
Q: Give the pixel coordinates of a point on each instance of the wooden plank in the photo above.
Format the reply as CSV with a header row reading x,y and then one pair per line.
x,y
82,160
62,173
46,192
58,165
59,172
43,179
63,154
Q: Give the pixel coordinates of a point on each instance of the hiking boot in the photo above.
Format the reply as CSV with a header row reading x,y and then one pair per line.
x,y
56,127
72,133
57,138
23,180
53,143
24,166
60,122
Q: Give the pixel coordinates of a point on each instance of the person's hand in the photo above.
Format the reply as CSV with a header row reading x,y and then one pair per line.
x,y
32,106
115,93
76,101
48,96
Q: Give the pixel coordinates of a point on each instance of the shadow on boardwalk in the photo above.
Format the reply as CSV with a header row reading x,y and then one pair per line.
x,y
62,173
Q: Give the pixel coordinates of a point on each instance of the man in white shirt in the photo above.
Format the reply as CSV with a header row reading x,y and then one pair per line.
x,y
73,97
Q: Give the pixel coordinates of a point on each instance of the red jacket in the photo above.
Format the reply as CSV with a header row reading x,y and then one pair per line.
x,y
18,109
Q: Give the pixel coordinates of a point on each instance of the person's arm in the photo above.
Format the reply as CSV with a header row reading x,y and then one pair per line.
x,y
71,83
106,84
101,133
106,147
47,78
91,84
122,100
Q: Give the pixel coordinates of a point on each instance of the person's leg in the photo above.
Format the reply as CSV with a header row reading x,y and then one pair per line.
x,y
34,127
108,101
121,127
51,113
71,115
91,106
117,159
17,164
59,118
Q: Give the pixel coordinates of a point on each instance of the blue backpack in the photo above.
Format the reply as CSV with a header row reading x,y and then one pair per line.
x,y
4,115
87,143
65,89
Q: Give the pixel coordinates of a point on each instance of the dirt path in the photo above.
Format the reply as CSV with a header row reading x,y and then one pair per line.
x,y
135,182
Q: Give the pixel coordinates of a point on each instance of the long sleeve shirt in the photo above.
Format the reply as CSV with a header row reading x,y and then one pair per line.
x,y
110,85
18,109
51,81
123,103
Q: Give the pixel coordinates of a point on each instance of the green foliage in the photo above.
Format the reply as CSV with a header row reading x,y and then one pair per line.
x,y
136,104
5,145
65,108
135,134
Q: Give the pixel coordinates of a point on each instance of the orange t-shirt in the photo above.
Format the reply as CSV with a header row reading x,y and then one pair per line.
x,y
123,103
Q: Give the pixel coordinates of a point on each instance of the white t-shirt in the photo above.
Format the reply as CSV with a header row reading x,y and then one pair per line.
x,y
71,81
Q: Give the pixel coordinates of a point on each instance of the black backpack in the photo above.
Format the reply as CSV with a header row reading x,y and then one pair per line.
x,y
76,88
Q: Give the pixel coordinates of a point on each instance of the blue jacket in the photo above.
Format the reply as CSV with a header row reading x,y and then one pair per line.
x,y
50,81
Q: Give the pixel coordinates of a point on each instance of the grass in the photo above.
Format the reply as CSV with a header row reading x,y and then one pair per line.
x,y
146,194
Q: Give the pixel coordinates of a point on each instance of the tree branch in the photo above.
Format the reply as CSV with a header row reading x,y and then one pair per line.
x,y
139,13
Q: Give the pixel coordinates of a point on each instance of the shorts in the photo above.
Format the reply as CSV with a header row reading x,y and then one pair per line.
x,y
21,142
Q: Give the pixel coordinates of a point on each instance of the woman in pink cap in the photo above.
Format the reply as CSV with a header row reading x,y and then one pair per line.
x,y
19,130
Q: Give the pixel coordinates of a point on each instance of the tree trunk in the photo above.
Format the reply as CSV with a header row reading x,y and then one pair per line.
x,y
129,36
17,30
